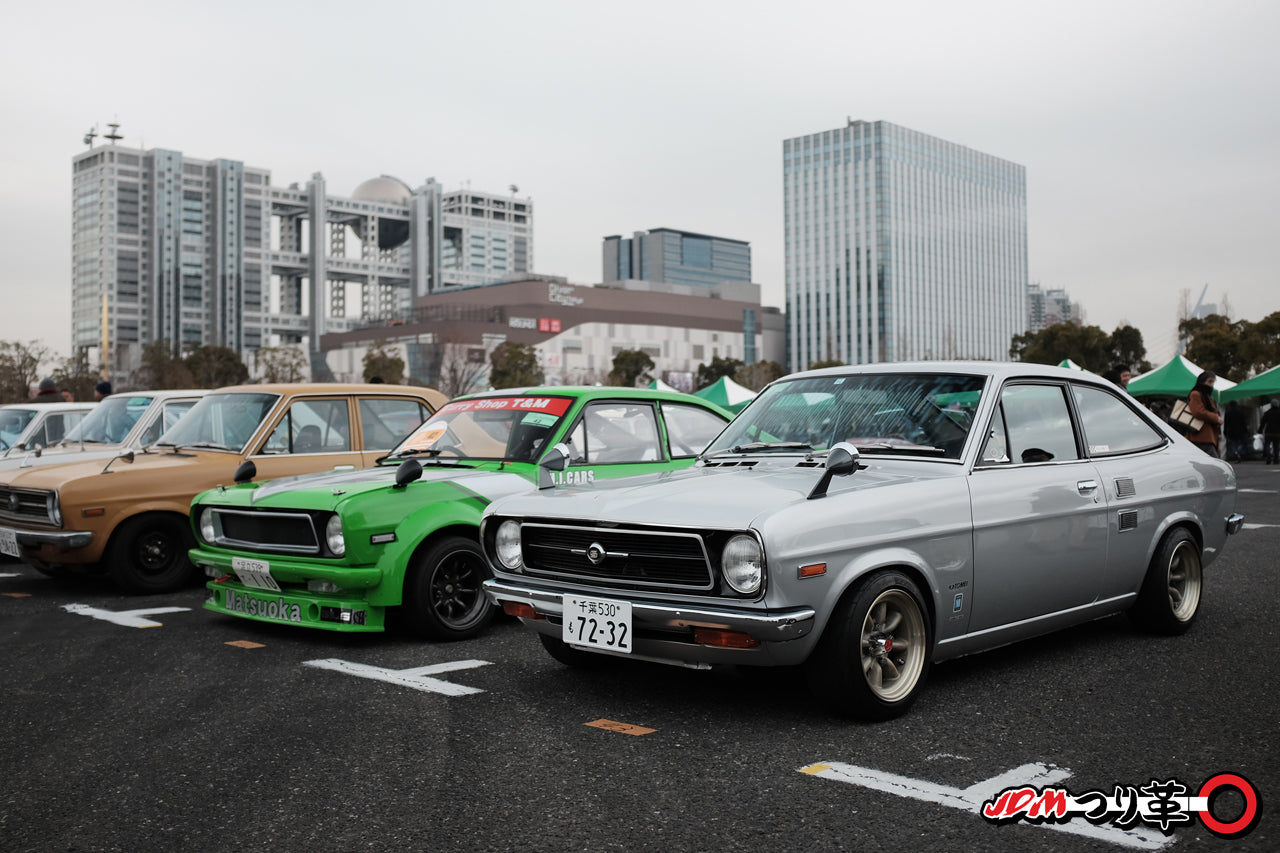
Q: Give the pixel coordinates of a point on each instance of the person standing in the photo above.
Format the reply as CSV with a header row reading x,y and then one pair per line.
x,y
1201,403
1270,428
101,390
1236,431
47,392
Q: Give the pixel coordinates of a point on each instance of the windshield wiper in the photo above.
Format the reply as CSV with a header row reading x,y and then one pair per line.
x,y
752,447
208,445
885,447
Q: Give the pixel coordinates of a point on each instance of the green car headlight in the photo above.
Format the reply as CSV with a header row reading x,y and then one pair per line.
x,y
333,536
506,545
743,564
207,531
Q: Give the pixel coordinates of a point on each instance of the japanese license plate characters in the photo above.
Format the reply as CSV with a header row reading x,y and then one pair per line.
x,y
598,623
9,542
255,573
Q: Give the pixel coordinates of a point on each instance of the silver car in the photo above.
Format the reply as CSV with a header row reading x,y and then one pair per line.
x,y
866,522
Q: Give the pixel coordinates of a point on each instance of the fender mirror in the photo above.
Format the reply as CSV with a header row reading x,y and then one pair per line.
x,y
842,460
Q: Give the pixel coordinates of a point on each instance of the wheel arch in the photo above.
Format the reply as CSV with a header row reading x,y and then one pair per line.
x,y
865,566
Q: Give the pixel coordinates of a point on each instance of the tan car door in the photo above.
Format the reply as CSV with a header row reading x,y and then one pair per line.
x,y
310,435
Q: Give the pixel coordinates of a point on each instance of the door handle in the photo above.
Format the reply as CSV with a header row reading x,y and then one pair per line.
x,y
1085,487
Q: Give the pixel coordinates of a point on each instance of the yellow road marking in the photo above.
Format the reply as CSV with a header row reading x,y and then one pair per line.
x,y
246,644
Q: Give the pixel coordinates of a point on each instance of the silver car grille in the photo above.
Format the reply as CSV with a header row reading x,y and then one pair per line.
x,y
626,558
273,532
25,504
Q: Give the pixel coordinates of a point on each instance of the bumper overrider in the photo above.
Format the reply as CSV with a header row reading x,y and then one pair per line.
x,y
345,610
665,632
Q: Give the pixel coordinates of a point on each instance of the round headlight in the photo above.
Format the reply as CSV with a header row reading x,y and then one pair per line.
x,y
333,536
743,564
207,533
506,544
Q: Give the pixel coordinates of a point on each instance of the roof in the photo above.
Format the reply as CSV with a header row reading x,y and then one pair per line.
x,y
434,397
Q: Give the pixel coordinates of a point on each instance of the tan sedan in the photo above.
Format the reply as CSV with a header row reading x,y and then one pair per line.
x,y
127,516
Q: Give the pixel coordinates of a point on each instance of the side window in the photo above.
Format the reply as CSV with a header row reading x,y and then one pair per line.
x,y
612,432
1111,426
384,421
172,413
689,428
1032,424
312,426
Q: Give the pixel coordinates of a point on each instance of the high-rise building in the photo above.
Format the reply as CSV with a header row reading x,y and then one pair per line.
x,y
675,257
901,246
1047,308
200,252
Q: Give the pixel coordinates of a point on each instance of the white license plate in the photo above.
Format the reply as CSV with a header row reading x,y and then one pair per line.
x,y
9,542
597,623
255,573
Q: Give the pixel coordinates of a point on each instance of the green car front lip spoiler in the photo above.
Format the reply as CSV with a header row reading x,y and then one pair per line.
x,y
292,571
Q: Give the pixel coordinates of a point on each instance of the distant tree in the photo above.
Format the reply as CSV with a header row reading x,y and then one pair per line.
x,y
162,368
1261,346
514,365
709,373
630,367
382,360
215,367
459,373
756,376
1217,343
20,369
1087,346
283,364
1127,348
829,362
73,373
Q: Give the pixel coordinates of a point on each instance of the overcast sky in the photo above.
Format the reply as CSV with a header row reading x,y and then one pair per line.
x,y
1150,131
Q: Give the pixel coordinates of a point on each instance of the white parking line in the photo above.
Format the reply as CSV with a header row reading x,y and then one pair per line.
x,y
971,799
126,618
1259,526
416,678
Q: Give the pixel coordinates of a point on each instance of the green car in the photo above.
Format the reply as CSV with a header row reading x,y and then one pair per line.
x,y
347,549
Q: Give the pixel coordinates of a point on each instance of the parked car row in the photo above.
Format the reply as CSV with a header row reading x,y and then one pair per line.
x,y
861,522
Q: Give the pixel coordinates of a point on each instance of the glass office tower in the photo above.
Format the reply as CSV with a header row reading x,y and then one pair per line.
x,y
901,246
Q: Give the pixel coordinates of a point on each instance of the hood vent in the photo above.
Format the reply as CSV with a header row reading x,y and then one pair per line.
x,y
731,463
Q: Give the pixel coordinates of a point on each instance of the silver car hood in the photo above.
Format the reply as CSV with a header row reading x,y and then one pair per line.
x,y
723,497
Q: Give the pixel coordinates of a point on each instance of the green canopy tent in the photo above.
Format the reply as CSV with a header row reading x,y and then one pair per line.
x,y
1069,364
1263,385
727,394
660,385
1174,379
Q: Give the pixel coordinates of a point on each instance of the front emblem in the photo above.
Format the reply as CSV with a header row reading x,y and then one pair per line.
x,y
595,553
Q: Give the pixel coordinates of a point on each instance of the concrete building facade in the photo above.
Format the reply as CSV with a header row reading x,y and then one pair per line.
x,y
1048,307
199,252
900,246
577,330
676,257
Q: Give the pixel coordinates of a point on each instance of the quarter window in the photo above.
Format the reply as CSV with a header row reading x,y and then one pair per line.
x,y
384,422
1110,425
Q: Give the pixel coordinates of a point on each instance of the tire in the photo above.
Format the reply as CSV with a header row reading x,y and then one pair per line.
x,y
148,555
874,655
1170,597
574,658
443,596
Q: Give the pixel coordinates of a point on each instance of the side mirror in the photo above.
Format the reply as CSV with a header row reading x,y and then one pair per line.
x,y
127,456
556,459
246,472
407,471
842,460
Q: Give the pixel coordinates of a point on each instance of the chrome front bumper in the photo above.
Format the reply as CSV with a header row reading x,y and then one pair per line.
x,y
774,627
1234,522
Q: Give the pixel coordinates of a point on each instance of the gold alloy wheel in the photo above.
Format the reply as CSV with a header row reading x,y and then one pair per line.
x,y
1185,581
893,645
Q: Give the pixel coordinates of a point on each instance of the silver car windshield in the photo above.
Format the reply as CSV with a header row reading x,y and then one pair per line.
x,y
221,421
110,421
918,414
